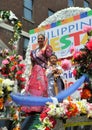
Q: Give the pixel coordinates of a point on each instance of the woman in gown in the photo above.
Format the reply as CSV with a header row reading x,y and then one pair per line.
x,y
38,83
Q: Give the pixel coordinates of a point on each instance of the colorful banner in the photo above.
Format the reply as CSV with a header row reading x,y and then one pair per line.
x,y
64,34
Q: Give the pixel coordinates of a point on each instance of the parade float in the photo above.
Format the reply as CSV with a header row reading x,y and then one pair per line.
x,y
60,111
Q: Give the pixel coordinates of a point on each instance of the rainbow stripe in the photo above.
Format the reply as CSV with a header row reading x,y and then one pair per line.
x,y
58,23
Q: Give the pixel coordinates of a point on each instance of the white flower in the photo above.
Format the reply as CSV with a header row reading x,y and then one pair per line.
x,y
47,121
12,16
1,20
1,14
82,106
7,82
89,110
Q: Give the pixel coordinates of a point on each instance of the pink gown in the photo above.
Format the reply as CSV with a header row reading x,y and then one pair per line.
x,y
38,83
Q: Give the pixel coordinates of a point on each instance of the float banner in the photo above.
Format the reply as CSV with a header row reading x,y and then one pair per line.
x,y
63,34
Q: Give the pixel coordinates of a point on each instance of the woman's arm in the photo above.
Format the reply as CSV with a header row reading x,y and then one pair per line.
x,y
47,50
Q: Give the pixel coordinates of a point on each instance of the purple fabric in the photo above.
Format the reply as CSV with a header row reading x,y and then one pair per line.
x,y
42,58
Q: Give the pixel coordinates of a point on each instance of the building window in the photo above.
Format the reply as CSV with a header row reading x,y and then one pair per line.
x,y
28,9
50,12
70,3
26,41
86,3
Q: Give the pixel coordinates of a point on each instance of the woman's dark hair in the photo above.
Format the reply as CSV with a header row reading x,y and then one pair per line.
x,y
41,35
53,54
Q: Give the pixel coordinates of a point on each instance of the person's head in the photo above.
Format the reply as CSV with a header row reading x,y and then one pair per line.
x,y
41,39
53,59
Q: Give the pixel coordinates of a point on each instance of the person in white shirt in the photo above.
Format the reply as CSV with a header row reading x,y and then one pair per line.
x,y
54,75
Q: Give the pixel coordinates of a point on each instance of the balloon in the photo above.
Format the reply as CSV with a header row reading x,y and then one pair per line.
x,y
29,100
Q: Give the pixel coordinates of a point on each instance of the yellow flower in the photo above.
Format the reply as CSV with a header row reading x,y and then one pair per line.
x,y
82,106
19,24
9,88
1,80
1,92
83,110
89,114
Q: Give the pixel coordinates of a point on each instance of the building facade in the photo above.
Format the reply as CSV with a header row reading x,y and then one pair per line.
x,y
31,13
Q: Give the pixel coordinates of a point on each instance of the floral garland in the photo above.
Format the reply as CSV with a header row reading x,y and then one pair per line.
x,y
11,66
63,111
63,14
17,25
11,69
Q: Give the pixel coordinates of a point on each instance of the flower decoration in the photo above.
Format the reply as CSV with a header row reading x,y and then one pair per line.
x,y
83,63
4,53
64,110
89,110
15,116
66,64
13,68
88,30
72,109
89,44
17,25
72,49
48,121
6,87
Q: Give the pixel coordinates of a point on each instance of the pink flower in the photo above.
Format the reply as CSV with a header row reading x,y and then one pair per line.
x,y
6,50
77,55
22,79
20,57
53,121
5,62
14,47
89,44
22,66
72,49
19,72
74,72
43,115
13,68
89,107
12,58
66,64
87,28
